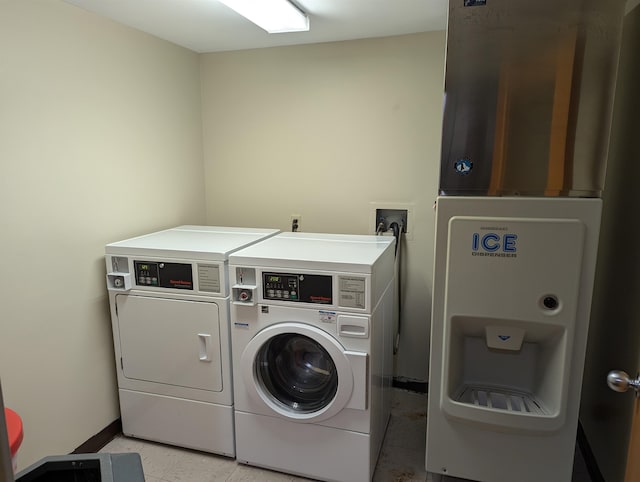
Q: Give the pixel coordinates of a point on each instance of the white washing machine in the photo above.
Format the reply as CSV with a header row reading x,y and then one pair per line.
x,y
169,299
312,343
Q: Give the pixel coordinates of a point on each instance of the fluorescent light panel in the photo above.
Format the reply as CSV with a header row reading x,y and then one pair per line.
x,y
274,16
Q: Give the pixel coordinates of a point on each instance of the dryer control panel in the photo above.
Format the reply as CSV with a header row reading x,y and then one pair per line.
x,y
306,288
154,274
163,275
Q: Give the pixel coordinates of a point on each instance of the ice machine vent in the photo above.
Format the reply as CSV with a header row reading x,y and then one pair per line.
x,y
500,399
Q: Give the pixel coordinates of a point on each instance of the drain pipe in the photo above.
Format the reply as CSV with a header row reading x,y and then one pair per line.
x,y
6,468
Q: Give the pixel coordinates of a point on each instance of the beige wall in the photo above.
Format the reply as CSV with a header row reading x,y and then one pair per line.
x,y
614,333
100,139
323,131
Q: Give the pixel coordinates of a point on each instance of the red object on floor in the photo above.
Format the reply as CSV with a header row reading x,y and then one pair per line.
x,y
14,430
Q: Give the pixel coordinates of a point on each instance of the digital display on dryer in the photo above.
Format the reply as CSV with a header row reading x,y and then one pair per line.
x,y
306,288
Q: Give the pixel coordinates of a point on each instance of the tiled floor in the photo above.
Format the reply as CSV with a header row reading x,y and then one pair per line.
x,y
401,459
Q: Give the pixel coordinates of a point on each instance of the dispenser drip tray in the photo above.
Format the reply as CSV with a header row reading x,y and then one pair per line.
x,y
500,399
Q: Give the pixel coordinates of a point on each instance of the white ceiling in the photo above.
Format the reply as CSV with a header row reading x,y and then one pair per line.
x,y
210,26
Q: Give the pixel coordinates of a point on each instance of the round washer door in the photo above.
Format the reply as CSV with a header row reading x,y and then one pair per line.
x,y
298,371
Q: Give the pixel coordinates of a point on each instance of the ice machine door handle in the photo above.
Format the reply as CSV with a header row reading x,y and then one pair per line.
x,y
620,381
205,347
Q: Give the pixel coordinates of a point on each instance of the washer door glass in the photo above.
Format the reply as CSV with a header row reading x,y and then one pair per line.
x,y
297,371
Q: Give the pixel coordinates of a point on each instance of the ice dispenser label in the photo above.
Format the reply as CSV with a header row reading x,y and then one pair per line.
x,y
494,244
512,268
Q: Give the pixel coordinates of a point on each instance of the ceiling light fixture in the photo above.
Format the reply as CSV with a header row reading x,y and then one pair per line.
x,y
274,16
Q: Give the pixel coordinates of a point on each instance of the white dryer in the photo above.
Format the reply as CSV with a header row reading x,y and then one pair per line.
x,y
312,343
169,300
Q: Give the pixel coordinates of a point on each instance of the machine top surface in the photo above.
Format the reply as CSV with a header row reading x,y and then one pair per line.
x,y
191,242
340,252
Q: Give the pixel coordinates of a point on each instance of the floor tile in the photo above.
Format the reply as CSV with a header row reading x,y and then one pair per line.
x,y
401,457
247,473
400,466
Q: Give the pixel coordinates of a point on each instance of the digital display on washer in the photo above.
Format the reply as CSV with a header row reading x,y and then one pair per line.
x,y
164,275
306,288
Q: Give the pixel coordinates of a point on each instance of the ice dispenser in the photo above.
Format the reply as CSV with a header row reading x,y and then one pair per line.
x,y
528,99
512,291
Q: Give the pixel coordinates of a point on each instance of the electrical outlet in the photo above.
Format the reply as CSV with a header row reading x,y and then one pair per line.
x,y
296,222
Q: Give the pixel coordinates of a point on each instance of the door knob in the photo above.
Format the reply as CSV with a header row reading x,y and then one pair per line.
x,y
620,381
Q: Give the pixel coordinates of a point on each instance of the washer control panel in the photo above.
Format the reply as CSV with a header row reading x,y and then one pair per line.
x,y
306,288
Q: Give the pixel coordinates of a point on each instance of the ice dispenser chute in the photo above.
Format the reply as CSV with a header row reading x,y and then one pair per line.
x,y
514,388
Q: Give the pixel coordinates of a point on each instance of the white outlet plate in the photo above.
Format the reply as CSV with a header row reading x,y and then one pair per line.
x,y
299,218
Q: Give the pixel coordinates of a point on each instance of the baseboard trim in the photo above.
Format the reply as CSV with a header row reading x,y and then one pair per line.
x,y
99,440
587,454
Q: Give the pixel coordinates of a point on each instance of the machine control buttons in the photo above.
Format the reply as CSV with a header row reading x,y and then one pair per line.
x,y
163,275
148,281
309,288
281,294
